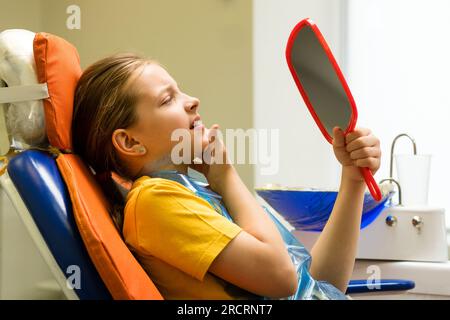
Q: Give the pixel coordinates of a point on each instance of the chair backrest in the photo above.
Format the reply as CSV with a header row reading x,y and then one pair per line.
x,y
57,66
121,273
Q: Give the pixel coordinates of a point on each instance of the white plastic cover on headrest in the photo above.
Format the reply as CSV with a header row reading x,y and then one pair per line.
x,y
25,120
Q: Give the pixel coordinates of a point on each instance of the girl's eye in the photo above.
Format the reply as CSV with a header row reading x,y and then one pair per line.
x,y
167,100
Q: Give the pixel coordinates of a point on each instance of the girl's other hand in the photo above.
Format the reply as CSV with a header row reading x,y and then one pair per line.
x,y
358,149
215,163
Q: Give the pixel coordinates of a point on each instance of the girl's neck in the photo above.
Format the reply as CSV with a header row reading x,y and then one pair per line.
x,y
179,168
164,163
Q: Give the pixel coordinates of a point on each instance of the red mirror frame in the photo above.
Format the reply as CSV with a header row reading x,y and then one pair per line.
x,y
308,23
305,24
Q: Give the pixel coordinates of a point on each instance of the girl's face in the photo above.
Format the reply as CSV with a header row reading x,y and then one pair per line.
x,y
161,109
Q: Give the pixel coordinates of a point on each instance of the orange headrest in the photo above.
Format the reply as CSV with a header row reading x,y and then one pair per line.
x,y
58,65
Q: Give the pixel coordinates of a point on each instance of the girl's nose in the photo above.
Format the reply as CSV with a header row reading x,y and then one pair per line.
x,y
193,104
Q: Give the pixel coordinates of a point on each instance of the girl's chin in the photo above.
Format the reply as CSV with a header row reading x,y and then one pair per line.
x,y
195,143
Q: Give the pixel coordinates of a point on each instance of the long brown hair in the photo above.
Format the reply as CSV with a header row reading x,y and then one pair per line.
x,y
105,101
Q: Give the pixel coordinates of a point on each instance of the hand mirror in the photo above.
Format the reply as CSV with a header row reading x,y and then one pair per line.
x,y
323,86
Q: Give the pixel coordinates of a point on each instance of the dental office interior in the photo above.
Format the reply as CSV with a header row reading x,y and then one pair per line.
x,y
231,54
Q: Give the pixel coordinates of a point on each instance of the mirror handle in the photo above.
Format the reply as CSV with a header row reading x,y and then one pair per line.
x,y
371,183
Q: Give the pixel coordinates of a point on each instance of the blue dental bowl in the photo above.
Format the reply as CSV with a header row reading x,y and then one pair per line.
x,y
309,210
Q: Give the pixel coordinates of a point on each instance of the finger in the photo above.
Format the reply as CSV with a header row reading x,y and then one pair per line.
x,y
365,153
212,132
214,127
361,142
338,137
371,163
358,132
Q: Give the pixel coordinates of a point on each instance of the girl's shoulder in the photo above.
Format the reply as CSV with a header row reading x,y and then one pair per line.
x,y
155,185
173,183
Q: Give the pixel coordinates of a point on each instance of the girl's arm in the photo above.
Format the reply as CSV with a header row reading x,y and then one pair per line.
x,y
333,255
256,259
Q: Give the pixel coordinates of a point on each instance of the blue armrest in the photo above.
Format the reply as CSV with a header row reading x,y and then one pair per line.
x,y
365,286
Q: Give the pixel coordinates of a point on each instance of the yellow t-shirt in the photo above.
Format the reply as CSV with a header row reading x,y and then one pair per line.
x,y
176,235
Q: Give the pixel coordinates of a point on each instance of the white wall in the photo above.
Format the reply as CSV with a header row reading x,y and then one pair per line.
x,y
394,55
305,157
398,67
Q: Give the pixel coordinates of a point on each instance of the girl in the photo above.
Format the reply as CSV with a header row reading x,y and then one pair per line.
x,y
205,241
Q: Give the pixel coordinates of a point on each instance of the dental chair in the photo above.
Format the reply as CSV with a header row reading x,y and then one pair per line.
x,y
55,194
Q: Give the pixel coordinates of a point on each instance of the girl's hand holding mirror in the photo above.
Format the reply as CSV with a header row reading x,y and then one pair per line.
x,y
358,149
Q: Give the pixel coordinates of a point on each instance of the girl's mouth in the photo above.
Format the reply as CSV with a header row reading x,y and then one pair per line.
x,y
197,125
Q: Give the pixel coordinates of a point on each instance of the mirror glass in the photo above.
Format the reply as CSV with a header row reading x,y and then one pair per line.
x,y
320,81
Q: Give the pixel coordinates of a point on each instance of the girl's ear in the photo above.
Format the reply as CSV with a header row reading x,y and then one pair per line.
x,y
125,144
